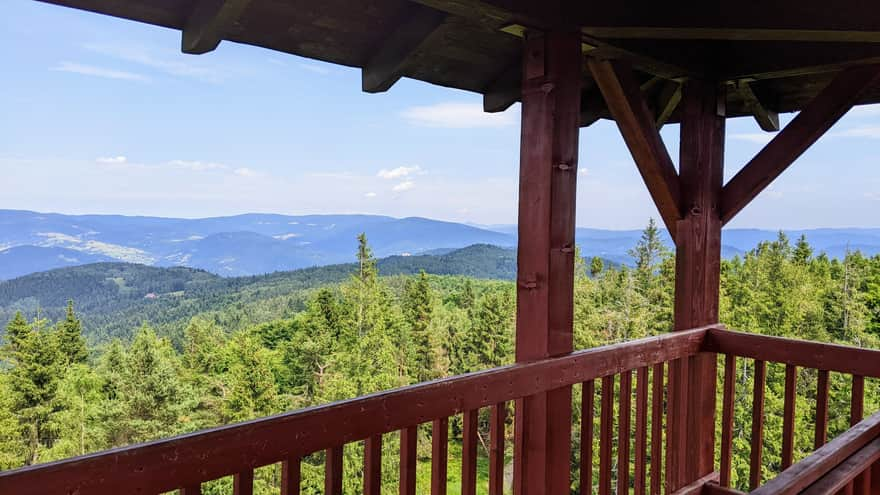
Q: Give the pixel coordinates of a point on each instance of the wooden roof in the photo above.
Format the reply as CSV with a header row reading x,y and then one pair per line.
x,y
775,55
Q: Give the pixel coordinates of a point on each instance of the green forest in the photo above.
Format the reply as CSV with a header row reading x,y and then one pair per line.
x,y
66,391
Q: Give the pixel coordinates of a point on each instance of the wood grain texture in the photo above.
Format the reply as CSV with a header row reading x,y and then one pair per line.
x,y
623,431
757,447
857,400
409,460
588,398
373,465
606,435
469,452
497,418
439,455
821,409
727,409
333,471
788,415
657,401
243,483
291,476
641,432
191,490
842,476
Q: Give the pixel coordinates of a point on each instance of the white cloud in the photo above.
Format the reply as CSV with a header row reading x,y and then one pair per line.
x,y
370,195
754,137
868,131
91,70
141,55
399,172
404,186
457,116
112,160
197,166
246,172
864,111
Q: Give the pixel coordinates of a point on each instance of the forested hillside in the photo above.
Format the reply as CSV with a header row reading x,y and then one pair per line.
x,y
366,332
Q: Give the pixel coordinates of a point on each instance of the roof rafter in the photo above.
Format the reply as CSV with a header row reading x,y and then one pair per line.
x,y
809,125
732,34
636,122
386,66
767,119
207,22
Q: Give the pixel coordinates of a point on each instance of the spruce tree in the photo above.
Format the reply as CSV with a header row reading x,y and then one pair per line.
x,y
71,343
417,308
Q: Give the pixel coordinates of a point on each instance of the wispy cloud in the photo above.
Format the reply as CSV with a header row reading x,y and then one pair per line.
x,y
404,186
370,195
399,172
112,160
197,166
246,172
144,56
91,70
754,137
867,131
457,116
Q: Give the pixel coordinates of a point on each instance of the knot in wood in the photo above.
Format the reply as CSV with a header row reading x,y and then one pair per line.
x,y
564,166
529,284
547,87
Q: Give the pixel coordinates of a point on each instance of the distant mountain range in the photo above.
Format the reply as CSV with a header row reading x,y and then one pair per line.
x,y
253,244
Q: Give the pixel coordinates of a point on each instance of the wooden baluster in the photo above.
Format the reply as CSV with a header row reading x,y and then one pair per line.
x,y
333,471
373,465
291,475
788,415
657,429
469,453
623,423
243,483
192,490
641,441
757,424
408,459
861,484
497,417
728,398
588,392
821,409
439,455
676,424
605,436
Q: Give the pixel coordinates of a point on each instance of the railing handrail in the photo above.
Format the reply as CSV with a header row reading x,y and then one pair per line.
x,y
167,464
846,471
823,460
804,353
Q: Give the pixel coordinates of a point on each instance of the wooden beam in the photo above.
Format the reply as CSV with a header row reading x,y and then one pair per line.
x,y
732,34
636,123
809,125
767,119
667,101
551,91
504,90
387,64
207,23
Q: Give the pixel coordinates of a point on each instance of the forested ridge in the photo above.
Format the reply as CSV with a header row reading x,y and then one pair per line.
x,y
60,396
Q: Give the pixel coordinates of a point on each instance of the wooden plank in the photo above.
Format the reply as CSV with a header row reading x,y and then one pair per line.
x,y
788,415
755,458
264,441
588,397
387,64
504,90
208,22
656,428
243,483
551,91
637,126
698,486
439,455
623,431
373,465
409,460
732,34
606,431
291,476
803,353
713,489
821,409
191,490
641,438
497,418
333,471
807,471
667,101
767,119
469,452
857,400
727,409
807,127
844,474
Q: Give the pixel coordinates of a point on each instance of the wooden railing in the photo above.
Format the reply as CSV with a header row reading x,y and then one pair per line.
x,y
626,416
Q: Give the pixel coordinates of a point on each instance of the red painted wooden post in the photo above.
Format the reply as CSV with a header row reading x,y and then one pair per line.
x,y
291,475
641,442
439,455
243,483
373,465
821,409
497,417
469,452
606,425
698,264
760,380
728,400
623,431
656,429
408,460
191,490
551,89
788,415
588,398
333,471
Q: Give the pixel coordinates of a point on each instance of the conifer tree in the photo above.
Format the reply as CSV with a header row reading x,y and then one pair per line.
x,y
71,343
417,308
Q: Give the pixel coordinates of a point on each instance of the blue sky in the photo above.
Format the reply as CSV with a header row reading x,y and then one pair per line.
x,y
102,115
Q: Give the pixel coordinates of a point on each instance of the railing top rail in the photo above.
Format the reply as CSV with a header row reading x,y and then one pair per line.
x,y
168,464
840,476
823,460
804,353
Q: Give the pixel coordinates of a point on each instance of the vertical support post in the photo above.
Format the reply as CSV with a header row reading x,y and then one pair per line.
x,y
551,90
698,270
